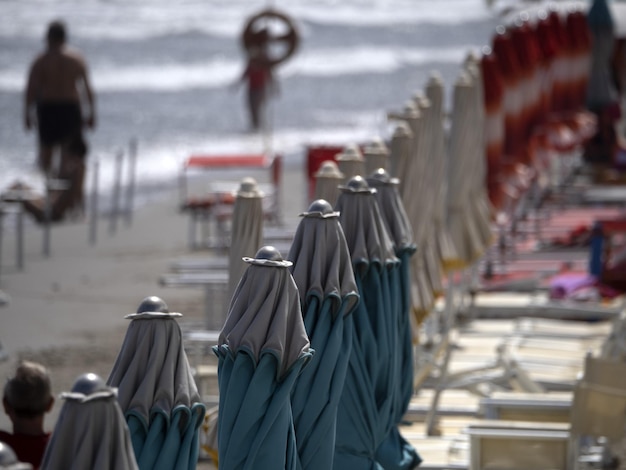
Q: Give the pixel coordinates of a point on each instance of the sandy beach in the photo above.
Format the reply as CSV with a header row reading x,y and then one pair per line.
x,y
67,311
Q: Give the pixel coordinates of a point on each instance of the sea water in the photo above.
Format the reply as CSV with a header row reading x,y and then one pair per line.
x,y
162,72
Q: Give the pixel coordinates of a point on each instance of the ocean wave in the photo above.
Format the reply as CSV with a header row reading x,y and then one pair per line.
x,y
116,19
220,72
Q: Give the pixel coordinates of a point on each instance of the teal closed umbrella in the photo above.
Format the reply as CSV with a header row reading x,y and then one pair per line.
x,y
366,411
90,431
156,390
322,270
395,452
261,351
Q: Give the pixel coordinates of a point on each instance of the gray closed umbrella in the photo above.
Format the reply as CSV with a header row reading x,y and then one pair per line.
x,y
246,232
322,270
376,155
261,351
91,431
350,162
461,224
446,252
327,181
366,414
157,391
395,452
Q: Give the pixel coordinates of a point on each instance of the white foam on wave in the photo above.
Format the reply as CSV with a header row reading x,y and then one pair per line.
x,y
344,61
118,19
161,161
219,72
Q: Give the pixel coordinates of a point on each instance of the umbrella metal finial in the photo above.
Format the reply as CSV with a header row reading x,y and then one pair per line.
x,y
268,255
435,79
402,130
88,384
321,209
357,184
350,152
322,206
463,80
422,102
153,304
248,188
269,252
329,169
381,175
376,147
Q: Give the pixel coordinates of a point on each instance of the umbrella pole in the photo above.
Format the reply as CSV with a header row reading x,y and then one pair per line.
x,y
449,322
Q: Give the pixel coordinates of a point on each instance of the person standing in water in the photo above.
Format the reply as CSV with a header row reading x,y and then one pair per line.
x,y
260,81
59,94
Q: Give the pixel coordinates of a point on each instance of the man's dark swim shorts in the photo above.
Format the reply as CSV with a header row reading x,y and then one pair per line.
x,y
60,123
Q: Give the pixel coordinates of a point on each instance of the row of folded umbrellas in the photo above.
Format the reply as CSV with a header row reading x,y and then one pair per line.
x,y
315,359
316,355
366,262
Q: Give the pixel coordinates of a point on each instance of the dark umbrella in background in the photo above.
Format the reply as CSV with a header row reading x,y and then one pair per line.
x,y
395,452
322,270
366,411
90,431
262,350
157,391
602,96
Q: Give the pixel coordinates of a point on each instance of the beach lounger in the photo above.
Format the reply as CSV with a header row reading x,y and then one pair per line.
x,y
214,284
536,407
596,409
507,446
513,305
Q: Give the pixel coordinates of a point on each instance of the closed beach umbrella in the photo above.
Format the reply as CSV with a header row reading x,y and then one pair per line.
x,y
446,253
350,161
376,156
322,270
246,233
461,225
156,389
479,197
395,452
602,96
601,90
327,181
261,351
400,147
407,147
366,411
426,263
90,431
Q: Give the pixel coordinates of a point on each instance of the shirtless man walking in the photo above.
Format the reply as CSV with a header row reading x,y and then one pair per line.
x,y
59,91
